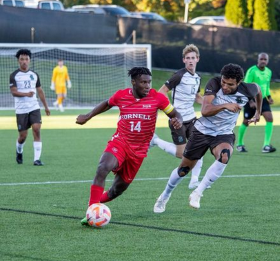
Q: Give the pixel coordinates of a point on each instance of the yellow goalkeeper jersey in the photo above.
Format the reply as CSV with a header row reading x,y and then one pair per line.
x,y
60,76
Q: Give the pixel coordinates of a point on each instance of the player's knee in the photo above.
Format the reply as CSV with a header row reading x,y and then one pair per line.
x,y
224,156
183,171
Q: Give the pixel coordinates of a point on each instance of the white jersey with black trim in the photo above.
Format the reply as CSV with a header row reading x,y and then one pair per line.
x,y
25,82
184,86
224,122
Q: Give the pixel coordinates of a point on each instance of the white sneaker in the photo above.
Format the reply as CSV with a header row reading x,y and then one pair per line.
x,y
160,204
153,141
194,185
194,200
61,107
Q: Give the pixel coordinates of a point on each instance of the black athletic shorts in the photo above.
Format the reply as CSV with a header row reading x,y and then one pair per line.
x,y
181,135
25,120
199,143
250,112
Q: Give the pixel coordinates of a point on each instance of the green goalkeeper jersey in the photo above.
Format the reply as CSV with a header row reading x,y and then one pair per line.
x,y
262,78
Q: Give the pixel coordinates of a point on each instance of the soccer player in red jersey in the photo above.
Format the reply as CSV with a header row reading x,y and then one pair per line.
x,y
128,147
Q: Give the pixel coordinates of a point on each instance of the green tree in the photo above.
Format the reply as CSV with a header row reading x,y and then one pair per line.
x,y
264,15
206,7
236,12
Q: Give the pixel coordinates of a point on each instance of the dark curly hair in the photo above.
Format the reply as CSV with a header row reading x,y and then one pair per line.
x,y
23,52
138,71
233,71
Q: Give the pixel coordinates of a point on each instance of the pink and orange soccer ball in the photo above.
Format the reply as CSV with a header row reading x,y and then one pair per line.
x,y
98,215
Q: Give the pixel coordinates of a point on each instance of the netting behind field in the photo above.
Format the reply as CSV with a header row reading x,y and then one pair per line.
x,y
96,72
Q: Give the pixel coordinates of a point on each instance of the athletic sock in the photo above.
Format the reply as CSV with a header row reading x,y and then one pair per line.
x,y
95,194
105,198
19,147
213,173
37,145
172,183
268,133
241,133
167,146
196,171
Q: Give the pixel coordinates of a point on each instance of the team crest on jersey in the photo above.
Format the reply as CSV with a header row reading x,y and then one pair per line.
x,y
31,77
239,100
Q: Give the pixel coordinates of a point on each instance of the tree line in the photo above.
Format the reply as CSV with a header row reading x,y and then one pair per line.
x,y
255,14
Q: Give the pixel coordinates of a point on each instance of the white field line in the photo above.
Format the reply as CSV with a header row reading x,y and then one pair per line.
x,y
137,179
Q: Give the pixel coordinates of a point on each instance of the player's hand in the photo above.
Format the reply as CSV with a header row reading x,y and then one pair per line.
x,y
30,94
177,124
234,107
52,87
270,100
255,119
252,104
69,84
82,119
48,112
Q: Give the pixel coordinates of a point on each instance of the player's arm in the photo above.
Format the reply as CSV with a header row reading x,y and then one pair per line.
x,y
258,102
100,108
174,116
16,93
41,95
209,109
198,98
164,90
52,87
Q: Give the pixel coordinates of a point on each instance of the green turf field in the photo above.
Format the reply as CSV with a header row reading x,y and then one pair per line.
x,y
41,207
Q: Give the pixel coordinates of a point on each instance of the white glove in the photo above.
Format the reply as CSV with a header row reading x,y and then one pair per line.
x,y
69,84
52,86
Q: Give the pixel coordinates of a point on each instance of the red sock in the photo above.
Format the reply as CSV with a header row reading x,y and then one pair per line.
x,y
95,194
104,198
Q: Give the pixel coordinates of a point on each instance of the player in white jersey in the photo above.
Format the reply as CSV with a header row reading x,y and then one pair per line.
x,y
24,85
185,87
224,97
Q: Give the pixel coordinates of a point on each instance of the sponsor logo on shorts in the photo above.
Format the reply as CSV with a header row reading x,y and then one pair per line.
x,y
180,139
114,149
19,127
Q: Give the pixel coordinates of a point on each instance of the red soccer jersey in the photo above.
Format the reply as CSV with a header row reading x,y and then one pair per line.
x,y
137,120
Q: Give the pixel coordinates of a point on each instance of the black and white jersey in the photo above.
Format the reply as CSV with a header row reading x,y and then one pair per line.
x,y
25,82
184,86
224,121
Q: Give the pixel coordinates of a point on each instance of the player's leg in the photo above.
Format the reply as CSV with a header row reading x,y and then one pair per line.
x,y
107,163
267,114
118,187
198,166
177,175
195,149
125,174
222,148
35,121
23,126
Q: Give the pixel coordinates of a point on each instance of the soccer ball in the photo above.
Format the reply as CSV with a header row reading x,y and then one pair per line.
x,y
98,215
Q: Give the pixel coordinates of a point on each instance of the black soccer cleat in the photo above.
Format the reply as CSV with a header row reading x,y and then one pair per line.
x,y
19,158
268,149
38,163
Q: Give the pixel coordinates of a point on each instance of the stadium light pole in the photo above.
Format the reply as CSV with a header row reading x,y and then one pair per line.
x,y
186,10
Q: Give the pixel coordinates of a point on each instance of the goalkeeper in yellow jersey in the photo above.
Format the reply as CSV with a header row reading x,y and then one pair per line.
x,y
59,78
